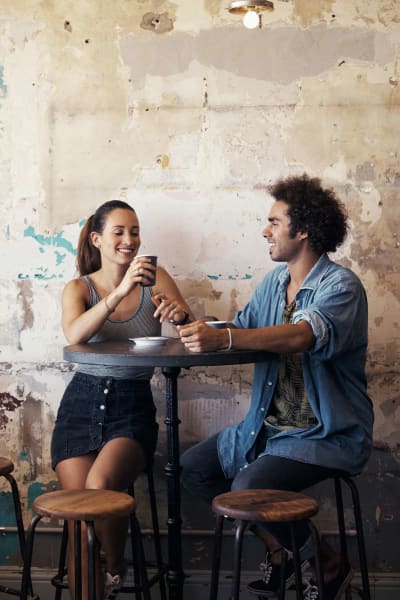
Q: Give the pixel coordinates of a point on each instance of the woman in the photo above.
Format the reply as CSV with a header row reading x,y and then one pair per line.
x,y
105,432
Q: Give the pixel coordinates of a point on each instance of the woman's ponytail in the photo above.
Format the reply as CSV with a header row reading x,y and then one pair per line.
x,y
88,257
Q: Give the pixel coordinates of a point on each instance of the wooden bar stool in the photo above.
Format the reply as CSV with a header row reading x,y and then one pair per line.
x,y
79,506
268,506
59,580
6,468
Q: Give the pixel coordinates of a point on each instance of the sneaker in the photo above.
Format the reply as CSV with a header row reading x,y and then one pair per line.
x,y
333,590
269,584
310,592
112,585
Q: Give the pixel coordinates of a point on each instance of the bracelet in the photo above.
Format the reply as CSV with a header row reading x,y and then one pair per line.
x,y
109,310
182,321
230,339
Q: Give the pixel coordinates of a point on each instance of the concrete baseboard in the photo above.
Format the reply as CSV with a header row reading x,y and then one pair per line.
x,y
384,586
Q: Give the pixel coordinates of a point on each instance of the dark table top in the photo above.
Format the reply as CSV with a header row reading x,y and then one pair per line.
x,y
172,354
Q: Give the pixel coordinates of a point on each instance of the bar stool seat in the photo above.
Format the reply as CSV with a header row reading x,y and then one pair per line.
x,y
268,506
265,505
79,506
6,468
84,505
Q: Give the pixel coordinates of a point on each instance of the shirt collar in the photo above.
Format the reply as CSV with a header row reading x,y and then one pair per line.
x,y
313,278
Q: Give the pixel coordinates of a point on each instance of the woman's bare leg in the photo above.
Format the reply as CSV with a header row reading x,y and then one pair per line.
x,y
118,464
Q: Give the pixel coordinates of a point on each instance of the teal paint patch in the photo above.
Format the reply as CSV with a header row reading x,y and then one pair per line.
x,y
236,277
40,276
58,244
9,543
35,490
24,456
7,517
9,549
58,241
3,87
60,258
214,277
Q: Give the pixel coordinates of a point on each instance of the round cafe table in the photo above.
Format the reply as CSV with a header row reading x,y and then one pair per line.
x,y
170,357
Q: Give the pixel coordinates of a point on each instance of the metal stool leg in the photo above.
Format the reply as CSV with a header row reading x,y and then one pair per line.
x,y
140,571
216,557
360,536
78,559
341,523
296,563
142,583
26,575
58,579
282,578
91,546
161,567
21,533
137,574
18,512
237,559
318,565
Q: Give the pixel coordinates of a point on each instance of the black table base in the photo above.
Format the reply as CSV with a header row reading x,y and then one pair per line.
x,y
175,575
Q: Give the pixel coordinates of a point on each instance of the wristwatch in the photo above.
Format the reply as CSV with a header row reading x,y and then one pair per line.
x,y
182,321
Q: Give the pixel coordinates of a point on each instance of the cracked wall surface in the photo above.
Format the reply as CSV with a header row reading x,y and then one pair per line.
x,y
178,109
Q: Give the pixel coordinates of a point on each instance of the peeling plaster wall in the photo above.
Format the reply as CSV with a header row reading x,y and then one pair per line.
x,y
176,108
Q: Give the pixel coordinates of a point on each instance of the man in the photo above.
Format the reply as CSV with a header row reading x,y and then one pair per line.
x,y
310,416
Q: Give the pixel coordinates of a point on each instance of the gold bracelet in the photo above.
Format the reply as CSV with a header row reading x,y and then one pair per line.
x,y
109,310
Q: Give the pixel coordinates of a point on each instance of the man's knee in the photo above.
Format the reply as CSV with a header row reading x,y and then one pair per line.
x,y
242,481
189,468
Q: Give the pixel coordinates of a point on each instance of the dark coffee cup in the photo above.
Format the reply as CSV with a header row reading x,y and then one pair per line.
x,y
150,279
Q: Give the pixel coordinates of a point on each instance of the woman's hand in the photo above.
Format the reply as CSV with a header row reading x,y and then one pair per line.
x,y
139,271
169,309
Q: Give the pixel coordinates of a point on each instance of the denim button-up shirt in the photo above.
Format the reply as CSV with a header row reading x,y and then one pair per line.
x,y
333,301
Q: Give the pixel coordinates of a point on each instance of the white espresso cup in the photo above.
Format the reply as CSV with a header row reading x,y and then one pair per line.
x,y
218,324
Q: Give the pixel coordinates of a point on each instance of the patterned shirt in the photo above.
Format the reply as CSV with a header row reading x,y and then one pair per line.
x,y
290,407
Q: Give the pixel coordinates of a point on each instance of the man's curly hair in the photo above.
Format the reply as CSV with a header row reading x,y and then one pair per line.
x,y
314,210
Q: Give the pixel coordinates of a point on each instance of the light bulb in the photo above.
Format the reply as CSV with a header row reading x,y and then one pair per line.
x,y
251,19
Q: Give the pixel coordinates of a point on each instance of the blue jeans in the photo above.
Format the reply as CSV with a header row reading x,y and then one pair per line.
x,y
202,475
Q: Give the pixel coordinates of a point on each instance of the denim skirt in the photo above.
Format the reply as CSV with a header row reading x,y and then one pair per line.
x,y
95,410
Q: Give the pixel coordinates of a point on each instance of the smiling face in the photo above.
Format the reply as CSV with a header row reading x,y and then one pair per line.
x,y
120,239
282,245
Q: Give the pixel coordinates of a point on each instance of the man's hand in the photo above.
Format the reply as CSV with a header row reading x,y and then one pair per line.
x,y
199,337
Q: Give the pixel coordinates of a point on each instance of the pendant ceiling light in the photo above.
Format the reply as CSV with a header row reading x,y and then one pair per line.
x,y
250,10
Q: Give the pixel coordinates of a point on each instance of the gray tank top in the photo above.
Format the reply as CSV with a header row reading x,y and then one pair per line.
x,y
141,323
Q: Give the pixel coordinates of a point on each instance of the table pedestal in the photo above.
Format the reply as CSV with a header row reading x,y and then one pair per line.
x,y
175,575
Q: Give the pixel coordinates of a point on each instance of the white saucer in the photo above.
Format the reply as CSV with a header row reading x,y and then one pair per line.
x,y
149,342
